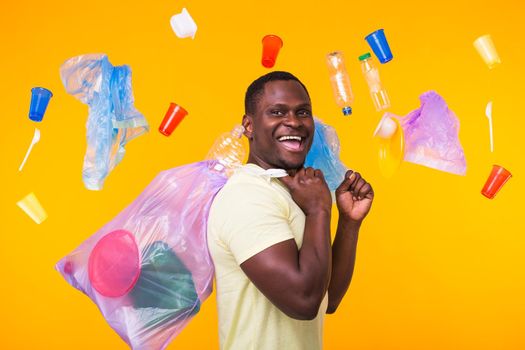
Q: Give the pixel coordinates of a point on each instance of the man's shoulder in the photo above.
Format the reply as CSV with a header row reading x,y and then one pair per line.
x,y
246,187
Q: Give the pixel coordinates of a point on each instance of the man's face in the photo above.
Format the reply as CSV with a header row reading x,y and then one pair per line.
x,y
282,129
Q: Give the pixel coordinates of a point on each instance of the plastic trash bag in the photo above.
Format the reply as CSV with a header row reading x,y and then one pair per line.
x,y
324,155
148,270
432,136
112,120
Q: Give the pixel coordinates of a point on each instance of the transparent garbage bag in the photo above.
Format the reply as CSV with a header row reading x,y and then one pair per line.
x,y
148,270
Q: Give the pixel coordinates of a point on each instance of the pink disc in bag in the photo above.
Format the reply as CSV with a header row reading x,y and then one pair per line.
x,y
114,264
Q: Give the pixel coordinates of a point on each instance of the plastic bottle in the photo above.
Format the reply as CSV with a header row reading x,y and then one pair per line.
x,y
340,81
377,91
228,152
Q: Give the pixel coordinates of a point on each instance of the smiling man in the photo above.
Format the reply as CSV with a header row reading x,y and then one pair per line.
x,y
277,272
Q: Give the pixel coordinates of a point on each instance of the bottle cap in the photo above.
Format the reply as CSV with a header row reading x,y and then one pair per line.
x,y
365,56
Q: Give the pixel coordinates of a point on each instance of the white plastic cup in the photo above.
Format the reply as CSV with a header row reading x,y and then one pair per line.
x,y
183,25
386,127
485,47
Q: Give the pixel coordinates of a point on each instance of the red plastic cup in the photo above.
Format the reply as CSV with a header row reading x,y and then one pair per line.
x,y
173,117
496,180
271,46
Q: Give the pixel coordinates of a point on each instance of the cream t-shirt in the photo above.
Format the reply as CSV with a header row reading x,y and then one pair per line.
x,y
251,213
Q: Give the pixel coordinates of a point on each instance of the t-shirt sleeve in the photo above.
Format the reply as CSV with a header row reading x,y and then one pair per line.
x,y
256,217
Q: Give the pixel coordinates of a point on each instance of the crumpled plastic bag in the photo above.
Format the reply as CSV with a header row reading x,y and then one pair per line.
x,y
324,155
113,120
432,136
148,270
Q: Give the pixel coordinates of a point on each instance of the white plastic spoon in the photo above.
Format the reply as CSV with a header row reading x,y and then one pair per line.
x,y
488,113
36,138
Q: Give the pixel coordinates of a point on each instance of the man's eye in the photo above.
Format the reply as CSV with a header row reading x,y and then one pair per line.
x,y
304,113
277,112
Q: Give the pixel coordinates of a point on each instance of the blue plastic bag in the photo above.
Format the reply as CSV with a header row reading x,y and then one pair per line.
x,y
324,155
113,120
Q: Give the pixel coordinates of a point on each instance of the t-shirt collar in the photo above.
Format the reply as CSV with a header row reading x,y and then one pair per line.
x,y
267,174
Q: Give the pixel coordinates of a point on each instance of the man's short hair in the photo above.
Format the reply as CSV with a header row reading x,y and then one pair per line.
x,y
256,89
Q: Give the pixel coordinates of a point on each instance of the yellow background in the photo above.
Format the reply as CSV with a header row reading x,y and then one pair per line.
x,y
439,266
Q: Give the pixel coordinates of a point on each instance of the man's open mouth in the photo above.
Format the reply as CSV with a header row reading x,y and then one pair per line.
x,y
292,143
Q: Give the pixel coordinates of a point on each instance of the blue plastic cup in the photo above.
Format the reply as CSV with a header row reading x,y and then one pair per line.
x,y
39,100
379,45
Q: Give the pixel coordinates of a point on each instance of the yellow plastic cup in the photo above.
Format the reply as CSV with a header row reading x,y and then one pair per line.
x,y
32,207
487,50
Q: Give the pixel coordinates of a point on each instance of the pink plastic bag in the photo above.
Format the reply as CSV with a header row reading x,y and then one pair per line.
x,y
432,136
148,270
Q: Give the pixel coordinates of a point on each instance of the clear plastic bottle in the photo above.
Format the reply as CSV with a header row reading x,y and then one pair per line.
x,y
377,91
228,151
340,81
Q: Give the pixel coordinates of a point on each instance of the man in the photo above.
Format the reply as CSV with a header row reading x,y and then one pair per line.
x,y
276,270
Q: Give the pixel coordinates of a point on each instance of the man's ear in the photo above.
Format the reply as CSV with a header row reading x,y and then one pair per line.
x,y
247,122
